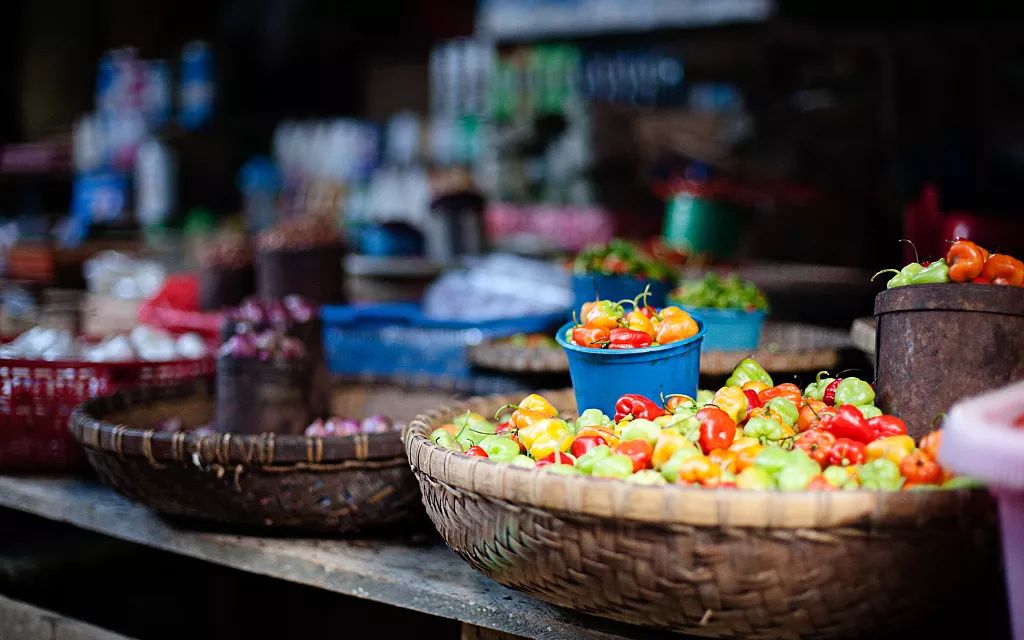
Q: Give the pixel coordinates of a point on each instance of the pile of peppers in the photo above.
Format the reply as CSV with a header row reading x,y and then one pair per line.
x,y
621,257
750,434
603,324
964,262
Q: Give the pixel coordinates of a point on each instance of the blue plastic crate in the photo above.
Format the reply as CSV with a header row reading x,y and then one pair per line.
x,y
398,340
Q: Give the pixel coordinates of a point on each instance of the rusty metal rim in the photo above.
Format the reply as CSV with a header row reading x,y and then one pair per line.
x,y
982,298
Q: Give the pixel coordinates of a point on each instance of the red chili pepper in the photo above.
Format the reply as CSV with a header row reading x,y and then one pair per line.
x,y
583,444
829,396
623,338
556,457
639,451
717,429
753,401
476,451
846,452
636,405
593,337
850,423
885,426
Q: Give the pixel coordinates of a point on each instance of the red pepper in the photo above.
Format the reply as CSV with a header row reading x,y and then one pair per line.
x,y
639,451
636,405
593,337
753,401
849,423
829,396
717,429
885,426
556,457
846,452
623,338
476,451
786,390
583,444
817,444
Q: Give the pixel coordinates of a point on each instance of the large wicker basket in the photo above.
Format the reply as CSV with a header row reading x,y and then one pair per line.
x,y
709,562
340,484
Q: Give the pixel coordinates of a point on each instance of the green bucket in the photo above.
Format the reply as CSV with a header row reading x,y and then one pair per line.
x,y
702,225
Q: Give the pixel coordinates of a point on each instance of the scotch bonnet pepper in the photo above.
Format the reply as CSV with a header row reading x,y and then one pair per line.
x,y
637,406
748,370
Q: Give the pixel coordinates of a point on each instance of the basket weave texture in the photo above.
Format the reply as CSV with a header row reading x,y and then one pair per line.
x,y
339,485
708,562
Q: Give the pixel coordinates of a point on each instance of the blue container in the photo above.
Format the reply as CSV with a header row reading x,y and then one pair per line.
x,y
590,286
602,376
729,329
397,340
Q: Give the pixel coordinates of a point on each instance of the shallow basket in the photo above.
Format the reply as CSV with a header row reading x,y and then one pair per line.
x,y
344,484
719,563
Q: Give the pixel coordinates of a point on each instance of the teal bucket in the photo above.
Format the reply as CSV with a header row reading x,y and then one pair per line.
x,y
601,376
729,329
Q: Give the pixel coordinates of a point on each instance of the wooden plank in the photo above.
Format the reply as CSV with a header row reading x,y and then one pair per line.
x,y
23,620
429,579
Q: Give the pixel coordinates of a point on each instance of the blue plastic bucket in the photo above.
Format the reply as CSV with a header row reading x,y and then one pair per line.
x,y
602,376
729,329
590,286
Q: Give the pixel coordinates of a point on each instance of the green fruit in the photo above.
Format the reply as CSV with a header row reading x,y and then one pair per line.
x,y
500,448
670,470
618,465
585,463
641,429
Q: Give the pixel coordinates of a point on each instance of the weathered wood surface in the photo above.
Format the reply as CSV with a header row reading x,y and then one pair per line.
x,y
23,620
425,578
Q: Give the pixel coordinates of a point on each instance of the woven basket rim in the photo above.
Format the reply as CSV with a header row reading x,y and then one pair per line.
x,y
93,431
672,504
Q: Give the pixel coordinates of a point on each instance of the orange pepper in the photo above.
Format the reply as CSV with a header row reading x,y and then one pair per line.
x,y
965,260
609,435
638,321
725,459
931,442
523,418
786,390
699,470
755,385
810,414
746,449
1003,269
676,325
538,403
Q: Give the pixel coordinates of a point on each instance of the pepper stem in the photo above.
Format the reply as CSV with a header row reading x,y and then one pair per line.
x,y
502,408
917,258
896,271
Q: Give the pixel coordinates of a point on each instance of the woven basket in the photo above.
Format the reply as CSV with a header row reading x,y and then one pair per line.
x,y
709,562
500,355
340,485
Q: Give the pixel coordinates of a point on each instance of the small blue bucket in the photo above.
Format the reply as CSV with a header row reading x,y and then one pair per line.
x,y
601,376
729,329
591,286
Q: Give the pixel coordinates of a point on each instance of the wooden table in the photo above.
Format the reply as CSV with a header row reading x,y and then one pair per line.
x,y
425,578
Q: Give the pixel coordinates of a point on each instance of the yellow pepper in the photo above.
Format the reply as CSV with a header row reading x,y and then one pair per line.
x,y
668,443
733,401
638,321
538,403
523,418
755,385
605,432
893,448
746,449
548,436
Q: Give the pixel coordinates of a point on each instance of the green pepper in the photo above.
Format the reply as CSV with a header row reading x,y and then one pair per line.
x,y
592,418
585,463
525,461
647,476
640,429
473,428
816,390
670,470
615,466
561,469
444,439
962,482
784,409
842,477
854,391
704,397
765,429
881,474
748,370
755,478
772,460
869,411
903,276
798,471
935,273
500,448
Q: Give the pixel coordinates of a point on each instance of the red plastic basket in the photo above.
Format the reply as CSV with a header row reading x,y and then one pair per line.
x,y
37,396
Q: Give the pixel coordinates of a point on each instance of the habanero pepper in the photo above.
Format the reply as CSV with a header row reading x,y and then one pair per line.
x,y
884,426
810,415
784,409
894,448
666,446
853,391
786,390
717,429
817,444
748,370
602,313
699,469
746,450
676,325
733,401
931,443
816,390
846,452
1003,269
965,260
591,337
639,451
920,468
637,406
753,402
638,321
538,403
583,444
623,338
849,423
